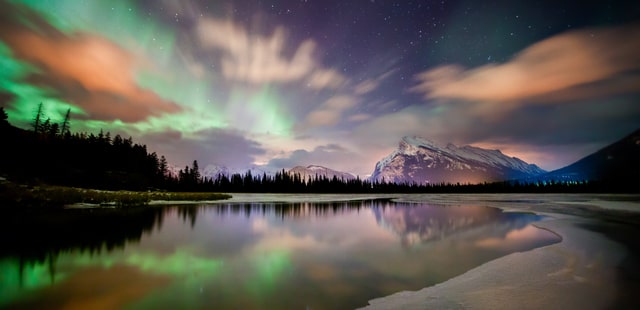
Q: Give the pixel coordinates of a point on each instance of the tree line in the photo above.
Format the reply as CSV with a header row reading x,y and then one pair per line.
x,y
50,153
284,182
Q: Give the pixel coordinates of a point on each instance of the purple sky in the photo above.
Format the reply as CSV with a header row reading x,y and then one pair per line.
x,y
332,83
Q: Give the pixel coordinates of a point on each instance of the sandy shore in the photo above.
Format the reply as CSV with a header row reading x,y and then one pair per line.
x,y
594,267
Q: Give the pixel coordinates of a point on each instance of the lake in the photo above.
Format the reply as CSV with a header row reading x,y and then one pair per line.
x,y
260,255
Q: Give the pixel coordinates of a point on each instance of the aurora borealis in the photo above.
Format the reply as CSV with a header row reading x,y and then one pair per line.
x,y
264,256
332,83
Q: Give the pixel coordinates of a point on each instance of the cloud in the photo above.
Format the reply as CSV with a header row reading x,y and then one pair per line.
x,y
84,69
331,155
549,135
261,59
330,112
359,117
366,86
329,78
372,84
386,130
560,63
212,146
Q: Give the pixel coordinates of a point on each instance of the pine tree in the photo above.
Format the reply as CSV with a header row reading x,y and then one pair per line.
x,y
65,124
53,130
195,172
38,119
162,167
44,128
4,118
107,138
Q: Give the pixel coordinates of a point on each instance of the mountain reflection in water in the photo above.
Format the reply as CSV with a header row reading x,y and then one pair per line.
x,y
251,255
417,225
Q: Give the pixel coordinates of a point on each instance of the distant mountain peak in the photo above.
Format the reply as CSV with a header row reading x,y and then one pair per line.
x,y
320,171
422,161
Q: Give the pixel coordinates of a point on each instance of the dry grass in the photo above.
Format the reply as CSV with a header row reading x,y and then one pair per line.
x,y
59,196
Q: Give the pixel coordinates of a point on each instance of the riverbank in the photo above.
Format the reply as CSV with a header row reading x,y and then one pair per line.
x,y
44,196
594,267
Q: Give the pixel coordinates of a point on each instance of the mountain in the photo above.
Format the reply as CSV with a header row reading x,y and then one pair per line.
x,y
320,171
418,160
213,171
619,163
416,226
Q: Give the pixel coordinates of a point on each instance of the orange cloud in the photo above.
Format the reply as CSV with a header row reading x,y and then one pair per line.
x,y
557,65
330,112
86,70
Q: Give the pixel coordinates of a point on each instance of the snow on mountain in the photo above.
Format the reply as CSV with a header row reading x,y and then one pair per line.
x,y
213,171
313,170
256,170
173,170
417,226
422,161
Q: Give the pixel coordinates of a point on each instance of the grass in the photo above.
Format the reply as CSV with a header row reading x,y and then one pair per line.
x,y
60,196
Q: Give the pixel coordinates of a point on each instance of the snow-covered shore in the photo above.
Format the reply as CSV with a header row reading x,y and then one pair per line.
x,y
581,272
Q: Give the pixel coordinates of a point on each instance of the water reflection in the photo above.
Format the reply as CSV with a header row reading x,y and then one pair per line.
x,y
416,225
255,255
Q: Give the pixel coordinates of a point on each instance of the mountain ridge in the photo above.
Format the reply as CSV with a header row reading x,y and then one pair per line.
x,y
419,160
311,171
617,162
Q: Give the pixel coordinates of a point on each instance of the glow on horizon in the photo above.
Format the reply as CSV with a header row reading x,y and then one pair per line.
x,y
291,87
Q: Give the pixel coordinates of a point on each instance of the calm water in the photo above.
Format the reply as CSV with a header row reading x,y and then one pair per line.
x,y
249,256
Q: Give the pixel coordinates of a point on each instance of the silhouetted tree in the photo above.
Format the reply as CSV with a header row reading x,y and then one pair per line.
x,y
195,172
162,167
38,119
53,130
4,118
64,129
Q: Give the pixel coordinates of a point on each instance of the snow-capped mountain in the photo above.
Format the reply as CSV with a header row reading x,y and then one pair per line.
x,y
421,225
173,170
213,171
313,170
256,170
418,160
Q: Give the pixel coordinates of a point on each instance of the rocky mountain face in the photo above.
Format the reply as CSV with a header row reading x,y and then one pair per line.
x,y
313,170
418,160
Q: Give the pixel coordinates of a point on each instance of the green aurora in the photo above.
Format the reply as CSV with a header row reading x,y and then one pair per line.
x,y
330,83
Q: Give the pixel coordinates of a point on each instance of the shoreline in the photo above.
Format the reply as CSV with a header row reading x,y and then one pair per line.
x,y
582,271
596,264
18,196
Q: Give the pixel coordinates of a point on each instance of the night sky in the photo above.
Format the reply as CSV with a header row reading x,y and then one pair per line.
x,y
333,83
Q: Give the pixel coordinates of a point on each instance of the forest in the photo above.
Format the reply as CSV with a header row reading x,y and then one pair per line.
x,y
49,153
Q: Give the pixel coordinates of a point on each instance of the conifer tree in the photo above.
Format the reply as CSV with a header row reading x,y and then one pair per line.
x,y
162,167
4,118
195,172
53,130
38,119
44,128
65,124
